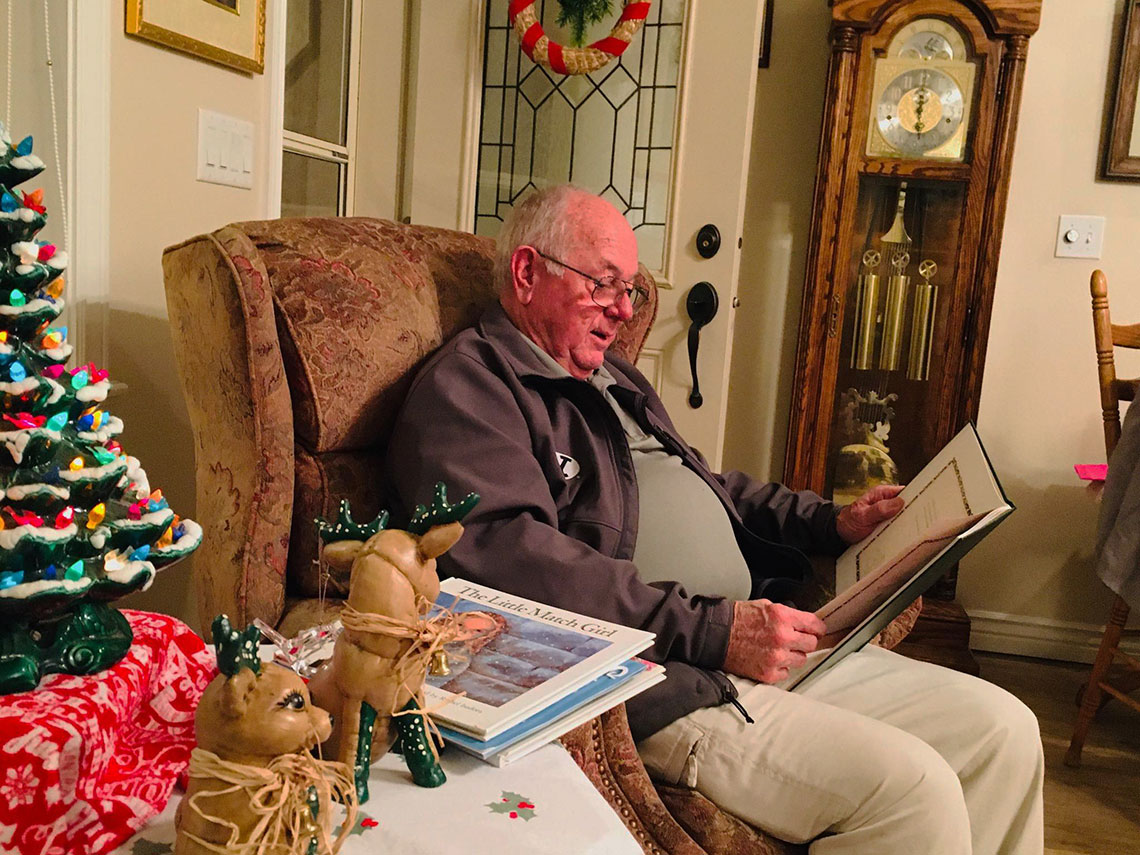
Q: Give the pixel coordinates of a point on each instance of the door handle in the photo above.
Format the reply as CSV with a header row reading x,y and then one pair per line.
x,y
701,304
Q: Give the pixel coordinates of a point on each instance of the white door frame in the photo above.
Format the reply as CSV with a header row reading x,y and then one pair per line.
x,y
442,131
89,28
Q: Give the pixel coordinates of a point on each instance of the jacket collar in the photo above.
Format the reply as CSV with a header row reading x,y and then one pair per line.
x,y
511,342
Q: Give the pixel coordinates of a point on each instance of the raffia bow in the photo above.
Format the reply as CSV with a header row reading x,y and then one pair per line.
x,y
279,798
427,636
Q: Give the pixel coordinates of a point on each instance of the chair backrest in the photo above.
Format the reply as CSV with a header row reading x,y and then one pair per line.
x,y
1108,335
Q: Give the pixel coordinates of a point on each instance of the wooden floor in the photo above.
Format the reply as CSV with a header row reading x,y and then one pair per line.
x,y
1093,810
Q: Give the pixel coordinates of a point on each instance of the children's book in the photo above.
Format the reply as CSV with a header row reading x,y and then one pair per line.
x,y
517,658
600,694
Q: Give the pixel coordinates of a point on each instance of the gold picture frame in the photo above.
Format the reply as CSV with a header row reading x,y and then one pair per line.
x,y
228,32
1122,148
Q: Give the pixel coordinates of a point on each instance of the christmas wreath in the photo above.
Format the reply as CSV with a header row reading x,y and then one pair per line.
x,y
578,59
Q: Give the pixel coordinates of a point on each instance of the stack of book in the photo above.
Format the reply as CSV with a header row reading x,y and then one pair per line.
x,y
528,673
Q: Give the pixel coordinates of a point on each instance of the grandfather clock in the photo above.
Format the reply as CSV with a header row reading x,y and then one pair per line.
x,y
910,194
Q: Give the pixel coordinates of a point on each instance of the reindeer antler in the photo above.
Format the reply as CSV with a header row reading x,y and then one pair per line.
x,y
346,529
236,650
440,512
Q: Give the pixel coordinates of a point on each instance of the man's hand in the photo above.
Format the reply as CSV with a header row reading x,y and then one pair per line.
x,y
767,639
859,519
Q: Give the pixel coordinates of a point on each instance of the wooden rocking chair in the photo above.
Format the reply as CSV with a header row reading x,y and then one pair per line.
x,y
1126,676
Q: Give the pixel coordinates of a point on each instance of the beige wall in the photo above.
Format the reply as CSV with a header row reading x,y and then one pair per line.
x,y
1039,411
157,201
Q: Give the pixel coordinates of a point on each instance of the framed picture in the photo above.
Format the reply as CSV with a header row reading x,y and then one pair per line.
x,y
1122,148
766,35
228,32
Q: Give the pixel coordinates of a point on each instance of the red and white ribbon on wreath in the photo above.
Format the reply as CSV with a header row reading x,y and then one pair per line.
x,y
575,60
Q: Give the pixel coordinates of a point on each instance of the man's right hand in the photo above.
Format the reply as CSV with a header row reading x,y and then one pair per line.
x,y
768,639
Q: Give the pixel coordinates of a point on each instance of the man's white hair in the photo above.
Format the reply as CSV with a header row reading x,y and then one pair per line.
x,y
540,220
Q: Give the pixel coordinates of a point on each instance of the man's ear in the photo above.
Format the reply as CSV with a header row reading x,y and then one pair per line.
x,y
236,692
438,539
523,261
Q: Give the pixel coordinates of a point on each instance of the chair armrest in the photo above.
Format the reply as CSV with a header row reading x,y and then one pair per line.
x,y
229,360
605,751
719,831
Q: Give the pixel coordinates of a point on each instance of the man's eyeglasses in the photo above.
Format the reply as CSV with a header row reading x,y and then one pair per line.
x,y
606,291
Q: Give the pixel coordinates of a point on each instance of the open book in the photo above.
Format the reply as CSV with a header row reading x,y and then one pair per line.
x,y
951,505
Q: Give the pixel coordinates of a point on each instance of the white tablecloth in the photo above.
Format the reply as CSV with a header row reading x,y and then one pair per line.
x,y
471,813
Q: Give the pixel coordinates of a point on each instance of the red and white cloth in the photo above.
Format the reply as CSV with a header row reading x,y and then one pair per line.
x,y
85,762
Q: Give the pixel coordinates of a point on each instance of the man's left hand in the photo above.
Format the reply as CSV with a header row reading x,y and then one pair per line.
x,y
859,519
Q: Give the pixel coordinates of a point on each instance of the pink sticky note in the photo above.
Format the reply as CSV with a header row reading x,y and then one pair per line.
x,y
1091,471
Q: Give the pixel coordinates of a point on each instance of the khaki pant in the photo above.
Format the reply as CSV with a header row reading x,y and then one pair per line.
x,y
881,755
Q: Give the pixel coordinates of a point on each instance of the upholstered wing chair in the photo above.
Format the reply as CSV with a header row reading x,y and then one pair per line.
x,y
296,340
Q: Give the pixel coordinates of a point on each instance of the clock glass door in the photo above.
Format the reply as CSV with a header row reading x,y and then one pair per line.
x,y
895,349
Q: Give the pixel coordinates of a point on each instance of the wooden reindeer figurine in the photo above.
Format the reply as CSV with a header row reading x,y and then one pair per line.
x,y
255,726
380,659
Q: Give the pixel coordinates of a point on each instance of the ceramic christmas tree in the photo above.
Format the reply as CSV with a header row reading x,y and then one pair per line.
x,y
79,524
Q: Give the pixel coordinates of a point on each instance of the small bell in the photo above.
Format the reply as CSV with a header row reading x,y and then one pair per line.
x,y
439,665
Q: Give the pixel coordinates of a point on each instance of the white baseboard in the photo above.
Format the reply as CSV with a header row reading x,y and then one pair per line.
x,y
1068,641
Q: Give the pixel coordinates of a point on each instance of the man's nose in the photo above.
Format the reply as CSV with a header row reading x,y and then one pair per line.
x,y
622,308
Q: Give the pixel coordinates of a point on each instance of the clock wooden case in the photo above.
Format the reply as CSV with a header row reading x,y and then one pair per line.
x,y
918,132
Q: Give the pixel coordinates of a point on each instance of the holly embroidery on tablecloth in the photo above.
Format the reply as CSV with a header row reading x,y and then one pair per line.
x,y
363,823
514,806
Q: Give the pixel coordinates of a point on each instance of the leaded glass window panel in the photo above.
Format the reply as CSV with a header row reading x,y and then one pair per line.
x,y
611,131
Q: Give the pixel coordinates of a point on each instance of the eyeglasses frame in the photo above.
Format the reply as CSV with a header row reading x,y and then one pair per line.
x,y
631,290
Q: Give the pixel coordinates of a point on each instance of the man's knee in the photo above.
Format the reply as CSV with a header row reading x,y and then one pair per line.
x,y
1006,730
917,799
922,777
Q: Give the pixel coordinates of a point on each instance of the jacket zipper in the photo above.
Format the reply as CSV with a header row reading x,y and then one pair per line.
x,y
729,694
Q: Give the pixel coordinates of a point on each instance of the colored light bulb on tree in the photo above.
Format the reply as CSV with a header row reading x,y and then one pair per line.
x,y
96,515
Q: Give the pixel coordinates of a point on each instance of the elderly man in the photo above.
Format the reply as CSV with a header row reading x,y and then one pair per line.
x,y
593,502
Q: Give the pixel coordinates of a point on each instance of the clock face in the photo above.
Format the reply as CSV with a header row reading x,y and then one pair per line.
x,y
919,110
921,101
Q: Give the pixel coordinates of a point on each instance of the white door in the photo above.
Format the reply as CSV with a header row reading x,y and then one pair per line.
x,y
663,132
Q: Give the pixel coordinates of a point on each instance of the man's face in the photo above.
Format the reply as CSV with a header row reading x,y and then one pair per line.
x,y
561,316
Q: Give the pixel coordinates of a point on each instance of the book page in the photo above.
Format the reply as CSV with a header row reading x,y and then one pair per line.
x,y
852,606
958,483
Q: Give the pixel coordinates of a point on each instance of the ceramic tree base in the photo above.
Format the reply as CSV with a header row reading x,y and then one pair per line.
x,y
92,637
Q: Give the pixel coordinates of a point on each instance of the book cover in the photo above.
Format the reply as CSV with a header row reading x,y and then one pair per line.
x,y
653,675
551,714
531,656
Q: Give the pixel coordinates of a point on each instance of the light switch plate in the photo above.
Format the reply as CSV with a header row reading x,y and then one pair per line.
x,y
1079,236
225,149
